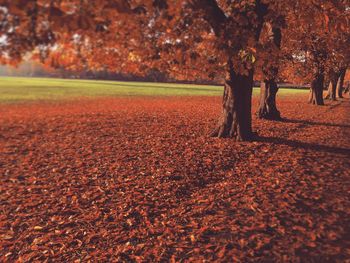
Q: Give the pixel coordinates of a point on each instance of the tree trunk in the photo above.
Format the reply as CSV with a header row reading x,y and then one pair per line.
x,y
316,90
347,88
267,108
332,89
236,120
340,85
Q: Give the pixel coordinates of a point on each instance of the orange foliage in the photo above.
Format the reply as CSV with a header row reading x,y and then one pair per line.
x,y
184,38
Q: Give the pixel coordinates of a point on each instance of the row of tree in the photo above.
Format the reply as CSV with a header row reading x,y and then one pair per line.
x,y
190,39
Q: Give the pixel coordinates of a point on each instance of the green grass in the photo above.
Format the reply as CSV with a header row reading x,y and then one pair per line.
x,y
33,89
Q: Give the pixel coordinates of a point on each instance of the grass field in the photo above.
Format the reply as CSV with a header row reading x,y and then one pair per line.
x,y
32,89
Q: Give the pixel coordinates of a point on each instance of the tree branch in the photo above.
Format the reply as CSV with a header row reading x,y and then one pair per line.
x,y
213,14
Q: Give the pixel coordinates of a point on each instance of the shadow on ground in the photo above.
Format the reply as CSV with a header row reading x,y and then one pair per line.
x,y
327,124
304,145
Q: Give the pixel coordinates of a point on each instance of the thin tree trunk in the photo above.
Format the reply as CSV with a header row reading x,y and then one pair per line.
x,y
340,85
316,90
236,120
267,108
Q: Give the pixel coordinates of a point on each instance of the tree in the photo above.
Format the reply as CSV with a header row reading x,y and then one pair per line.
x,y
317,36
339,48
306,45
268,87
245,24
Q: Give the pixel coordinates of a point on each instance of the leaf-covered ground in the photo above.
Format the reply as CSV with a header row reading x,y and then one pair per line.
x,y
137,179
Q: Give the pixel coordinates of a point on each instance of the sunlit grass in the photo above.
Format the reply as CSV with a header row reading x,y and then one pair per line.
x,y
35,89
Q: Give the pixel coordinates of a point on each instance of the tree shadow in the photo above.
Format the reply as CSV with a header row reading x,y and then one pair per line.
x,y
286,120
306,146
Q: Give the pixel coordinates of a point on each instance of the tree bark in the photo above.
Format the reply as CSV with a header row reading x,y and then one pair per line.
x,y
316,90
340,85
267,108
236,120
332,88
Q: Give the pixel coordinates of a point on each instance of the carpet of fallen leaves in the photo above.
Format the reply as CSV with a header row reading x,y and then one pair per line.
x,y
138,179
